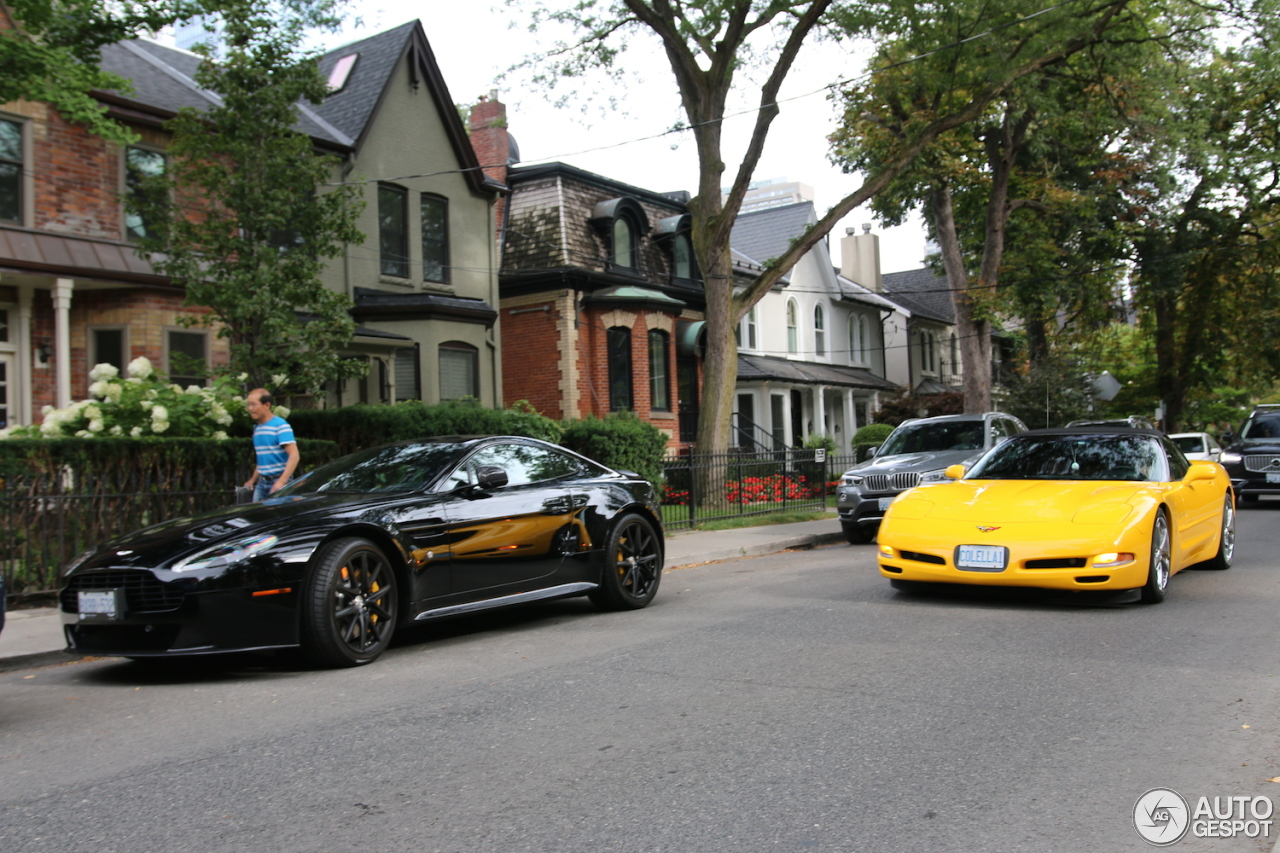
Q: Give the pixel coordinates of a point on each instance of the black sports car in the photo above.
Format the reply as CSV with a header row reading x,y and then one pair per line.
x,y
334,562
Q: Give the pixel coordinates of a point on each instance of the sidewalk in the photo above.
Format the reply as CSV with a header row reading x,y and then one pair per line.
x,y
34,637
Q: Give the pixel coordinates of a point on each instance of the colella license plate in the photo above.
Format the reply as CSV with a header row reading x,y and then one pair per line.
x,y
982,558
101,604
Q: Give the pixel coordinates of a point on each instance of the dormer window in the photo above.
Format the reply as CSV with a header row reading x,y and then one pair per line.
x,y
622,224
672,234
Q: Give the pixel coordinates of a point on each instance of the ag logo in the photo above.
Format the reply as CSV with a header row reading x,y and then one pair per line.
x,y
1161,817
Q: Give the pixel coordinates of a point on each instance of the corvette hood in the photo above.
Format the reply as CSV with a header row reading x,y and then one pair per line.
x,y
1021,501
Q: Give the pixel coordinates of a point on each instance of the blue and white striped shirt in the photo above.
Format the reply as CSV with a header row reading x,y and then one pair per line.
x,y
269,440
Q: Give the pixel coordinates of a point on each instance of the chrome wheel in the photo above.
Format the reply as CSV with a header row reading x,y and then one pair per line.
x,y
1227,540
1161,561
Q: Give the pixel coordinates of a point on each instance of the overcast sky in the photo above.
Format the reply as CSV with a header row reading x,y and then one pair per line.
x,y
474,44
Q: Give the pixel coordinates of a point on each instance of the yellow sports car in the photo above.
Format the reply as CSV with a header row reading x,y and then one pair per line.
x,y
1067,509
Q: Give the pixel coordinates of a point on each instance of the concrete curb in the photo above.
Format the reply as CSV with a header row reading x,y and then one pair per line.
x,y
773,546
35,659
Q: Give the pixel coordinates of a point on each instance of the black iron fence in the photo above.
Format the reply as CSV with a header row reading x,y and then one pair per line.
x,y
702,488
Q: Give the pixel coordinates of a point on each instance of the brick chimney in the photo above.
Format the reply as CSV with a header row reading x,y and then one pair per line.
x,y
492,143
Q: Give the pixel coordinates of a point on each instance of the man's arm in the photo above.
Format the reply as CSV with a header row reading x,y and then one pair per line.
x,y
292,449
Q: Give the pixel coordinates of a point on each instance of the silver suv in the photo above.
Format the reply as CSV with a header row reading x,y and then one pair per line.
x,y
916,453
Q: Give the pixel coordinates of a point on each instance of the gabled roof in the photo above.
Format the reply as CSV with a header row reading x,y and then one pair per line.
x,y
164,82
766,234
923,292
851,291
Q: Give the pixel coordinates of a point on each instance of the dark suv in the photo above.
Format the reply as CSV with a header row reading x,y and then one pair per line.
x,y
1252,458
916,453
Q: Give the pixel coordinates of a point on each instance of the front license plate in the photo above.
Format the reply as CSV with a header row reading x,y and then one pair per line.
x,y
884,503
101,604
1273,478
982,558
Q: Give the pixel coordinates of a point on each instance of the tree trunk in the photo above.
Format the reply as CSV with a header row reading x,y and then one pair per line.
x,y
975,335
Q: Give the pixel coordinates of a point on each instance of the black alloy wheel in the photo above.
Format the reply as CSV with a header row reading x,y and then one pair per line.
x,y
633,566
349,604
1161,561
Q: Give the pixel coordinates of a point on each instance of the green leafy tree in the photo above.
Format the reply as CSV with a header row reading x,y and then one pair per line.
x,y
49,51
716,47
252,226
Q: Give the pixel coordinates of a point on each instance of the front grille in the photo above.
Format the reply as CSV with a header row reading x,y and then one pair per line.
x,y
143,593
891,482
1263,463
1058,563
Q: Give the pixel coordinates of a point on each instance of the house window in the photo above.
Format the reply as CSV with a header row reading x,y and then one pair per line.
x,y
793,332
682,256
659,372
393,231
10,171
955,354
140,164
854,333
459,371
622,251
864,339
747,337
819,330
107,346
187,357
928,353
619,344
407,376
435,238
6,362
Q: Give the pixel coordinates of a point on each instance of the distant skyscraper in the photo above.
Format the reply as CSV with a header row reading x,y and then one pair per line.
x,y
775,192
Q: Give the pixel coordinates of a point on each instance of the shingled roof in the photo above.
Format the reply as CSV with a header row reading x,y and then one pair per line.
x,y
923,292
765,234
163,81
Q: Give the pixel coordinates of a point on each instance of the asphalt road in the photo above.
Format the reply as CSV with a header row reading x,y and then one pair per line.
x,y
785,703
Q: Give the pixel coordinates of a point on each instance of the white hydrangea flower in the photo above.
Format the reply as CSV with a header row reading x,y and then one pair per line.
x,y
117,430
193,389
114,391
45,410
159,413
96,425
146,404
91,412
103,372
84,433
220,435
99,388
282,411
159,426
136,431
51,429
278,379
140,368
242,377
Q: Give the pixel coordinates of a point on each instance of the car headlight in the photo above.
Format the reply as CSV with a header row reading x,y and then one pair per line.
x,y
939,476
852,480
226,554
1230,458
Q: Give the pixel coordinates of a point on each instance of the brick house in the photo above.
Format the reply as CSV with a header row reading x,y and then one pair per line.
x,y
74,292
601,302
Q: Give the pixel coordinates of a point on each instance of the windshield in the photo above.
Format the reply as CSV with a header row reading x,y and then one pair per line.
x,y
1260,428
933,437
1189,443
1073,457
391,469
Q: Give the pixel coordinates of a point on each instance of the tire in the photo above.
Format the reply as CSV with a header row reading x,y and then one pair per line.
x,y
1227,543
1158,572
633,566
858,534
907,586
349,604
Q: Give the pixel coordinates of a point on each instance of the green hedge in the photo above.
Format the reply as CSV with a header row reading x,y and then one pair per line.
x,y
356,427
621,441
869,436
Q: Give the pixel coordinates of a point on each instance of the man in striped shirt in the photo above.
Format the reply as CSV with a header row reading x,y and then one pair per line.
x,y
274,444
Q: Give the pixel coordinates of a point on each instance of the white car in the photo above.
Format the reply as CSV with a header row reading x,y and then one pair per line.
x,y
1198,445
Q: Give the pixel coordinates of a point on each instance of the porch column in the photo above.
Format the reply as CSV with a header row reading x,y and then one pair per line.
x,y
819,411
62,337
24,399
850,422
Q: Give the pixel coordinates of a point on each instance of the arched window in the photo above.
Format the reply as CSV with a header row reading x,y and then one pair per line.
x,y
659,371
793,331
619,345
819,330
855,337
682,256
864,339
459,371
622,249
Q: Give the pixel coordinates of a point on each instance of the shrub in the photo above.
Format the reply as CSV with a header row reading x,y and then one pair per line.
x,y
621,441
869,436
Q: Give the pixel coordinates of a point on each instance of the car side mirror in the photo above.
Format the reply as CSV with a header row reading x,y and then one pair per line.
x,y
1201,469
873,450
490,477
954,472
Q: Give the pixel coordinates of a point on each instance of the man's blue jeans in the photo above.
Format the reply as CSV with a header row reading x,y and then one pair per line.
x,y
262,488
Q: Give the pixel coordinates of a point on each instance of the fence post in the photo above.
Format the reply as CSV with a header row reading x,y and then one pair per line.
x,y
693,490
